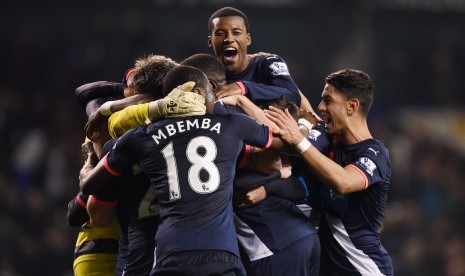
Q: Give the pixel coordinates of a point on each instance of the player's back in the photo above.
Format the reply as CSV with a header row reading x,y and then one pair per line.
x,y
191,163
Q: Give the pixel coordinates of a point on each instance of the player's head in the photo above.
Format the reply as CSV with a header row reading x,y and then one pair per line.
x,y
347,93
229,37
182,74
149,74
210,66
282,103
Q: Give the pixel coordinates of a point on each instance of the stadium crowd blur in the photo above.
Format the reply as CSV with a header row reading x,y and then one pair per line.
x,y
414,51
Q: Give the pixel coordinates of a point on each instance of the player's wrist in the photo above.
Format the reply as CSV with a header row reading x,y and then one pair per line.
x,y
303,146
156,110
105,109
304,122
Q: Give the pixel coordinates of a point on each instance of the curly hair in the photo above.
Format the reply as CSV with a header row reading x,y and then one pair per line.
x,y
151,70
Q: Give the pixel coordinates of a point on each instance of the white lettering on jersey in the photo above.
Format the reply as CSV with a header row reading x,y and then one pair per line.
x,y
279,69
182,126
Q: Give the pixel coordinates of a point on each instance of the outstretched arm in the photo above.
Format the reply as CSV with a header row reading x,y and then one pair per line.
x,y
342,179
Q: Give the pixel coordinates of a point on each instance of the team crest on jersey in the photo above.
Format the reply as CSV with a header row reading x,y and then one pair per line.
x,y
314,134
279,69
367,164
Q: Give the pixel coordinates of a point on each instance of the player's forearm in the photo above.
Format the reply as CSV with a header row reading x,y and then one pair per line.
x,y
113,106
341,179
128,118
100,89
290,188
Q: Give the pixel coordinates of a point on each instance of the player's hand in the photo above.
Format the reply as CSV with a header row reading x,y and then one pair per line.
x,y
88,153
97,126
251,197
288,129
179,103
227,90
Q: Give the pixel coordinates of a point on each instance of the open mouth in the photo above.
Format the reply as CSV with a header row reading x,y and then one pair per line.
x,y
229,53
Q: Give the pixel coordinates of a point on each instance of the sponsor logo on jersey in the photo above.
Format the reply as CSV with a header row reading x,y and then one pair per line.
x,y
279,69
314,134
367,164
374,151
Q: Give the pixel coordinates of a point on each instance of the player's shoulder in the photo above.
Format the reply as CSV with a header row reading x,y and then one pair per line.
x,y
372,155
267,58
273,64
374,147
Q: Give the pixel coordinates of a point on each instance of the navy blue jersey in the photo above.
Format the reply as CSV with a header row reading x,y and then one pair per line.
x,y
191,164
138,216
270,226
349,226
267,78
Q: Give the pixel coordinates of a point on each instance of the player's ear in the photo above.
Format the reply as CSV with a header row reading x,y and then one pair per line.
x,y
249,39
213,83
352,106
209,41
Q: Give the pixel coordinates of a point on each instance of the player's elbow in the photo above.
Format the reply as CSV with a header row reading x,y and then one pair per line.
x,y
85,188
342,186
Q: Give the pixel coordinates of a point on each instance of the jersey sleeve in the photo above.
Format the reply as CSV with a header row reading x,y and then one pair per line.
x,y
99,89
128,118
253,132
77,212
276,82
373,163
320,139
120,159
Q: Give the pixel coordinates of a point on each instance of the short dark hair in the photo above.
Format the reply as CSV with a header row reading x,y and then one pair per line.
x,y
210,66
353,84
151,71
227,11
182,74
282,103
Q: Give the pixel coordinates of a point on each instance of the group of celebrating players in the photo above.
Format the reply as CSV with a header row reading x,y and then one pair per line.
x,y
218,165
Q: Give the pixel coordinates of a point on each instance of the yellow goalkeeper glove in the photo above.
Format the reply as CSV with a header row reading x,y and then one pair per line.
x,y
180,102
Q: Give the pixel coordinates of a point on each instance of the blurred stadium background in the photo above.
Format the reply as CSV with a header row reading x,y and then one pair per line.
x,y
414,50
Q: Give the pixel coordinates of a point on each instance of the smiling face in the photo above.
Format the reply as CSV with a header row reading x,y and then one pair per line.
x,y
333,108
229,39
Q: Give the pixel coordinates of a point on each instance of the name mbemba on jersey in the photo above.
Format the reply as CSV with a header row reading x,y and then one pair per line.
x,y
186,125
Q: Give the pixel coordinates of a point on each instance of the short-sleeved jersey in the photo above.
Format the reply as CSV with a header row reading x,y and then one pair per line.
x,y
267,78
191,164
349,226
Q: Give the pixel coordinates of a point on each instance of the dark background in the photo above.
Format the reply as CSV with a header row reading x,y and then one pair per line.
x,y
414,50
